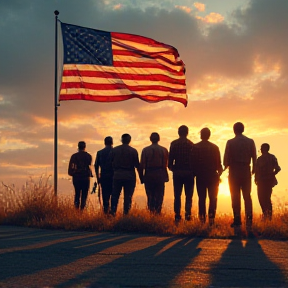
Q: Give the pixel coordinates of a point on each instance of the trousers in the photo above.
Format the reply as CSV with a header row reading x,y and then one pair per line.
x,y
128,187
181,180
207,184
240,181
81,186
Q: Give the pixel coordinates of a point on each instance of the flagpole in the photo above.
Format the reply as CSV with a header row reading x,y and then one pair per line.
x,y
56,107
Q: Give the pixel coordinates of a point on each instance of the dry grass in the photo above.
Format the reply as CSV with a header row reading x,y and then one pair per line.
x,y
34,205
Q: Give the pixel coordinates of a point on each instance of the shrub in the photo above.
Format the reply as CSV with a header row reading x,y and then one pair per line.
x,y
34,205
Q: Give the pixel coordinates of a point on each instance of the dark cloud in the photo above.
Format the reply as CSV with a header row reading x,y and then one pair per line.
x,y
41,155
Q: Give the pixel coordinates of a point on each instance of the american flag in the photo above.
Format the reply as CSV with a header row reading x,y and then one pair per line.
x,y
109,66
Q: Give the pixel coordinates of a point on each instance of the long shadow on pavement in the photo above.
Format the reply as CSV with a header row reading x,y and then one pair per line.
x,y
155,266
244,264
38,250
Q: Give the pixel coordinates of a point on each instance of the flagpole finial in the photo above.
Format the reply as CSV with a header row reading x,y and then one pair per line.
x,y
56,12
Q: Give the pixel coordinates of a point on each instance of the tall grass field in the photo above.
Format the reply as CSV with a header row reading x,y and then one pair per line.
x,y
34,205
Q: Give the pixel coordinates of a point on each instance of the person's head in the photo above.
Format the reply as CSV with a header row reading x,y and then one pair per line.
x,y
265,147
154,137
205,133
81,145
125,138
183,131
238,128
108,141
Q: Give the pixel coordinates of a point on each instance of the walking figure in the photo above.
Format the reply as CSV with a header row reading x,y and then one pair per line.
x,y
266,169
80,170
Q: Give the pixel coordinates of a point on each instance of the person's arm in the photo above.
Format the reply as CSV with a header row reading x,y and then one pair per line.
x,y
253,156
256,177
137,166
142,166
218,162
71,166
276,166
226,158
171,158
90,165
96,167
166,156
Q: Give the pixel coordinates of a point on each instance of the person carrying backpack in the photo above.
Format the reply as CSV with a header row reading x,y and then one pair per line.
x,y
79,169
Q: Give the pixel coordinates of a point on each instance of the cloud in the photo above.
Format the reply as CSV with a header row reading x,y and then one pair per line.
x,y
211,18
200,6
118,6
184,8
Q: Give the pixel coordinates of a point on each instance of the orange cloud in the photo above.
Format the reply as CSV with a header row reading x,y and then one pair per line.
x,y
14,144
117,7
184,8
200,6
43,121
211,18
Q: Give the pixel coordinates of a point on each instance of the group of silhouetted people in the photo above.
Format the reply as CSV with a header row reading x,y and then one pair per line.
x,y
115,168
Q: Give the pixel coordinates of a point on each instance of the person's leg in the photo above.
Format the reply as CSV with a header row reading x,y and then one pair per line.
x,y
202,192
149,192
77,188
159,195
189,188
213,187
178,184
106,189
234,186
117,187
264,191
269,204
246,191
261,196
129,187
85,184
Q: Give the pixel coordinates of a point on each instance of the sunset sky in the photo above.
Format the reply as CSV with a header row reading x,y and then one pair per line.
x,y
236,60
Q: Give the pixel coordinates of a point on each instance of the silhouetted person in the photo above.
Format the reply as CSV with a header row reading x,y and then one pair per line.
x,y
266,169
104,172
208,170
154,160
238,154
124,160
79,169
180,163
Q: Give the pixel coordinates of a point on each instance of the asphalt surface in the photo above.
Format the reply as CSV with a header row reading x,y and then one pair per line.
x,y
52,258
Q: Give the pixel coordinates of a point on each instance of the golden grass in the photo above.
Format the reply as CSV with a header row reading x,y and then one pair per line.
x,y
34,205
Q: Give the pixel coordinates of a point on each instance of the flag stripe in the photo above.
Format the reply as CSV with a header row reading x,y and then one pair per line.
x,y
118,92
117,98
142,40
130,61
107,86
121,72
105,80
165,59
119,49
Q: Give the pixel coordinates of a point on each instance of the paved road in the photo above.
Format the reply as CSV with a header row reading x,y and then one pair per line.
x,y
51,258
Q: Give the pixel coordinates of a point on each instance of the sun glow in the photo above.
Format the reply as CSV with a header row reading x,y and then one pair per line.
x,y
224,186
